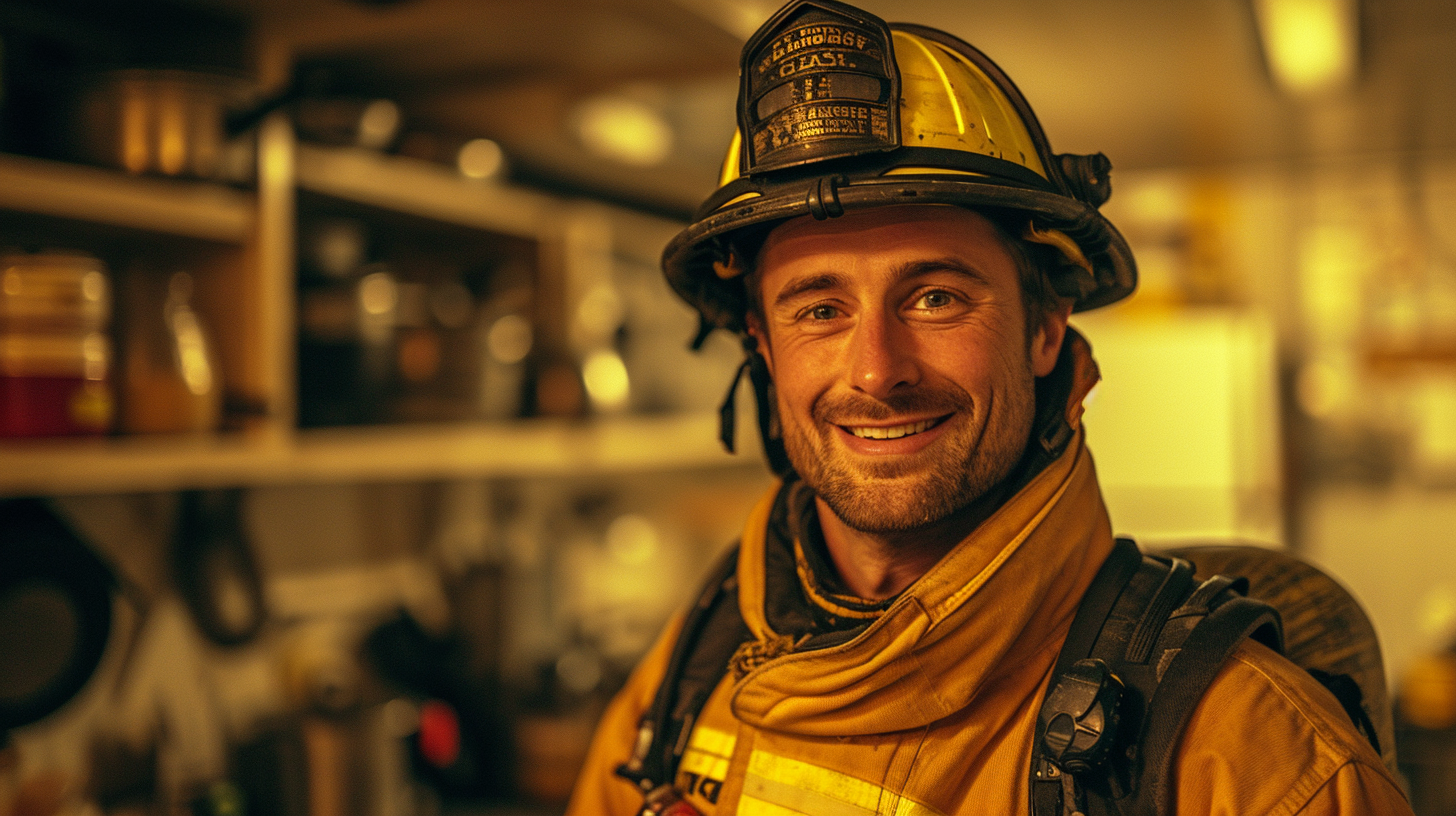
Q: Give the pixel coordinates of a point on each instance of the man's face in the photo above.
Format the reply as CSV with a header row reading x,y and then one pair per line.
x,y
897,342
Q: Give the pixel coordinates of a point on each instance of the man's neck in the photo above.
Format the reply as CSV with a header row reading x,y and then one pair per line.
x,y
875,566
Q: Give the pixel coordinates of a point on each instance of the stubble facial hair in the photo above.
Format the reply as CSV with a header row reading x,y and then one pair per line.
x,y
954,472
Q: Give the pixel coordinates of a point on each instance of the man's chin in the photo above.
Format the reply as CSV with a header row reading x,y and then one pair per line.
x,y
891,504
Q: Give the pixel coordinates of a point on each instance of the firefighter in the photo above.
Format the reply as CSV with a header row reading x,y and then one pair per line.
x,y
900,251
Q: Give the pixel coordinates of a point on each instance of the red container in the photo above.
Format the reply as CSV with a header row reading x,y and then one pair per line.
x,y
55,357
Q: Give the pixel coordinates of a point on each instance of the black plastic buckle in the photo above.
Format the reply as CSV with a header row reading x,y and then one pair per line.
x,y
1080,717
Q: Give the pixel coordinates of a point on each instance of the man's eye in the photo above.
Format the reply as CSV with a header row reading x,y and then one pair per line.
x,y
935,300
823,313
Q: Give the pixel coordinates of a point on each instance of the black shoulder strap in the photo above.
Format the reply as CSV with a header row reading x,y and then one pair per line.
x,y
711,633
1191,669
1144,645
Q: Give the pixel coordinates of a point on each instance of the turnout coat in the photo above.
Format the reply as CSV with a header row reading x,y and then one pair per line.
x,y
927,704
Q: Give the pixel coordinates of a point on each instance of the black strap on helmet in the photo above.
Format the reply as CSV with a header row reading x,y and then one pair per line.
x,y
769,430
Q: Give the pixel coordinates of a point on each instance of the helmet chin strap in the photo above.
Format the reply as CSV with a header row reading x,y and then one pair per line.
x,y
768,418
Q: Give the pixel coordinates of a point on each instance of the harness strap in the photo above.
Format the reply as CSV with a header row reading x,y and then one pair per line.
x,y
710,633
1152,639
1097,603
1089,626
1188,675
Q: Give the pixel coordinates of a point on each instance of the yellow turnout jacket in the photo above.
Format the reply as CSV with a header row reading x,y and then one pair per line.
x,y
931,708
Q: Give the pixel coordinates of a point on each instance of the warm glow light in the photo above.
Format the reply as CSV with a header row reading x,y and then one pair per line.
x,y
509,339
378,293
632,540
606,380
623,129
1310,44
480,159
378,124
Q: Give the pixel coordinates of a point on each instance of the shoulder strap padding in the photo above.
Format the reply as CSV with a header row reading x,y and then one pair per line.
x,y
1189,672
1164,636
1097,603
711,632
1327,632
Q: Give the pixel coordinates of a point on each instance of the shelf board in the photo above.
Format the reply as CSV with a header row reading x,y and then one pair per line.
x,y
191,209
526,448
421,188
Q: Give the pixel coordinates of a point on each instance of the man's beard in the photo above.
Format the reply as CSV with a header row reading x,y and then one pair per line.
x,y
953,472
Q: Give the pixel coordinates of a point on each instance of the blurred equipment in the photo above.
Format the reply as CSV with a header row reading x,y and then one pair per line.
x,y
458,737
54,354
1311,45
347,347
353,763
55,612
217,574
1428,732
171,382
1428,692
367,123
167,122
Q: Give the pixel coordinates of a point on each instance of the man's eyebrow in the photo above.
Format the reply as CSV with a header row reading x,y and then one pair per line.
x,y
833,280
812,283
947,264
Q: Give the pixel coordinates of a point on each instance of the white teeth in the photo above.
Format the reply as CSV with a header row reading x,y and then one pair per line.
x,y
893,432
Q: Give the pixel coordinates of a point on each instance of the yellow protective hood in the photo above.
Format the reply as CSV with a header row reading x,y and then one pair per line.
x,y
999,603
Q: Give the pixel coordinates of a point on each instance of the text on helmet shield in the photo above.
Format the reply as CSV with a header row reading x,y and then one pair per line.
x,y
818,84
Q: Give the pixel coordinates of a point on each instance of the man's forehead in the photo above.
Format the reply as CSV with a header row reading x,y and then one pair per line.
x,y
878,228
899,217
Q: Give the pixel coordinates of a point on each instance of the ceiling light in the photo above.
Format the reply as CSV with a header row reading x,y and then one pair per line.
x,y
624,130
1310,44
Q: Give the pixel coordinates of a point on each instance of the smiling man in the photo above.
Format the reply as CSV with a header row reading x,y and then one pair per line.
x,y
904,361
929,614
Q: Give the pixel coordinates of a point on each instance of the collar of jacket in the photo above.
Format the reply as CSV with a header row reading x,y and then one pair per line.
x,y
1003,598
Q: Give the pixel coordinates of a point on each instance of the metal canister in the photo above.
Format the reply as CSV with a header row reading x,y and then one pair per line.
x,y
165,122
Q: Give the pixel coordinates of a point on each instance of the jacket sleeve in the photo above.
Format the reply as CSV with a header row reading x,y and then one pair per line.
x,y
599,791
1360,789
1268,739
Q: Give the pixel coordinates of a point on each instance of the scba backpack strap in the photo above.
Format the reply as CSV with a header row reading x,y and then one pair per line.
x,y
1145,644
711,633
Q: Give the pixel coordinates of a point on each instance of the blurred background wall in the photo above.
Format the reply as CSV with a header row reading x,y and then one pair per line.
x,y
333,335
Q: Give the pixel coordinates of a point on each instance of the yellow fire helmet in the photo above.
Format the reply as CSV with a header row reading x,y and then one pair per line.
x,y
838,110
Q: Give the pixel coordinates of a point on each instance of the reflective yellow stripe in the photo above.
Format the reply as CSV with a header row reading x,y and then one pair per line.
x,y
780,786
702,764
751,806
712,741
708,753
932,171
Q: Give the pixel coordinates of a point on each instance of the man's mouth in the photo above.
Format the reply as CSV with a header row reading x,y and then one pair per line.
x,y
893,431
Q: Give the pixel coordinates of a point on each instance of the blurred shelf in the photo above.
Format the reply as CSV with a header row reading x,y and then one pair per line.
x,y
189,209
1408,359
538,447
423,189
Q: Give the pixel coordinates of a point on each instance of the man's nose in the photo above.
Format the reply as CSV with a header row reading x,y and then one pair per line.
x,y
881,355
